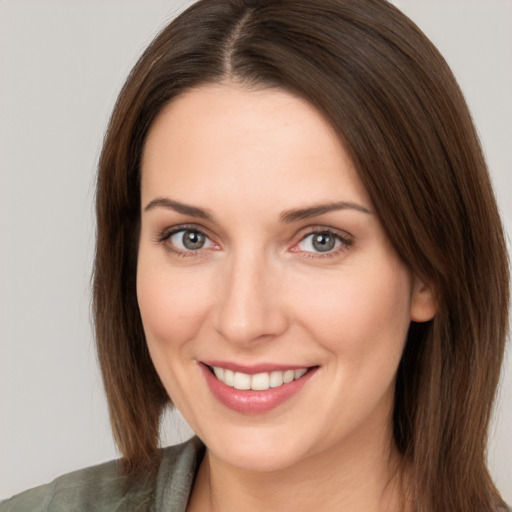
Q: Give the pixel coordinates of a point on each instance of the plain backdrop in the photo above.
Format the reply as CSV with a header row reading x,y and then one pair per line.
x,y
62,63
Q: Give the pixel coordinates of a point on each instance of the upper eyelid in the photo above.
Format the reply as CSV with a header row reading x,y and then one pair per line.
x,y
167,232
311,230
344,240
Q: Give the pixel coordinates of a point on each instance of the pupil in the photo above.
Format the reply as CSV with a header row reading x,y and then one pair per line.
x,y
323,242
193,240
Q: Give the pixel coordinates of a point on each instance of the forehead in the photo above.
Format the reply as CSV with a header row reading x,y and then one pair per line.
x,y
231,140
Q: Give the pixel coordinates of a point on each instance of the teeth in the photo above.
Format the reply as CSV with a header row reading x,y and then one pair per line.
x,y
258,381
288,376
229,378
300,373
242,381
276,379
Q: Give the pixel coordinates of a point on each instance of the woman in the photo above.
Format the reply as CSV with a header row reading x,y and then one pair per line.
x,y
299,246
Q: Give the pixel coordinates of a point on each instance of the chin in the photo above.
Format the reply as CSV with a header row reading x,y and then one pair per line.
x,y
259,449
257,459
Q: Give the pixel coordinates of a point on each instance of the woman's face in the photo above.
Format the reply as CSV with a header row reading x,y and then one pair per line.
x,y
261,258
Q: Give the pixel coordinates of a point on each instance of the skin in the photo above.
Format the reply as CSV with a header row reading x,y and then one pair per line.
x,y
258,292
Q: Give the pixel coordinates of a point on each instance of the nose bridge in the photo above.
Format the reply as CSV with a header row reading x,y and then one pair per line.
x,y
249,301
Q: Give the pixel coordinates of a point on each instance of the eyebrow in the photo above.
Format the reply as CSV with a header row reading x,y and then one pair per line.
x,y
287,216
294,215
185,209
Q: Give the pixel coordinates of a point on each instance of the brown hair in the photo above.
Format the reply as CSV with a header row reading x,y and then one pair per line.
x,y
401,116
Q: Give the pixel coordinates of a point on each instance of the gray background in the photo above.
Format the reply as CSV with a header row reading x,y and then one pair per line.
x,y
62,63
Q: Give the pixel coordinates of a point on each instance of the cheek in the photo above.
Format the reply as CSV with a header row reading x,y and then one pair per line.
x,y
364,313
171,304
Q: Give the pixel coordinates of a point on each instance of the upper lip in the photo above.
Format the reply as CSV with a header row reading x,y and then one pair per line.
x,y
254,368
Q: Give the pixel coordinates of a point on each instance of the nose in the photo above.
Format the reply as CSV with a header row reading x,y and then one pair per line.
x,y
250,307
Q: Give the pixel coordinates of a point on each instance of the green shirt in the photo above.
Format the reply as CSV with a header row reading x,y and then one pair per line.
x,y
105,488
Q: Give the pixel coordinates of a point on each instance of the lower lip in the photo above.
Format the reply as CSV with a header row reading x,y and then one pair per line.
x,y
250,401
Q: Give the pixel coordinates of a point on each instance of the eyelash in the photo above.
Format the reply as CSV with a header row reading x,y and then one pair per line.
x,y
345,242
344,239
166,235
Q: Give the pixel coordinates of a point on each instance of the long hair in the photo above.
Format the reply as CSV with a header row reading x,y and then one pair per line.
x,y
399,113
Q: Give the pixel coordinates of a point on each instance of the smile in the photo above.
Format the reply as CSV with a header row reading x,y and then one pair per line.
x,y
259,381
257,389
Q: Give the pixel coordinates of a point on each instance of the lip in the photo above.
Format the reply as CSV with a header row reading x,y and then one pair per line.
x,y
250,401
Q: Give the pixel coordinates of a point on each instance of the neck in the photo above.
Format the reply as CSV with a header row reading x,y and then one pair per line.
x,y
347,478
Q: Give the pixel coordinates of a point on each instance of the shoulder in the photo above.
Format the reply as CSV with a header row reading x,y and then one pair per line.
x,y
105,488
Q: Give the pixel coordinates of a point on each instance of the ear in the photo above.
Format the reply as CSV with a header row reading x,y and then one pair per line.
x,y
423,301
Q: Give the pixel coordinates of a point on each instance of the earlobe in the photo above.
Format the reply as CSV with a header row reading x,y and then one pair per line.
x,y
423,302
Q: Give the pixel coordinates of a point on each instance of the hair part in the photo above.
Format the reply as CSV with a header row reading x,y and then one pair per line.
x,y
400,115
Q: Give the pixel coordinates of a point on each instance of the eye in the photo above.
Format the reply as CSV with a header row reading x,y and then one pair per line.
x,y
321,242
189,240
